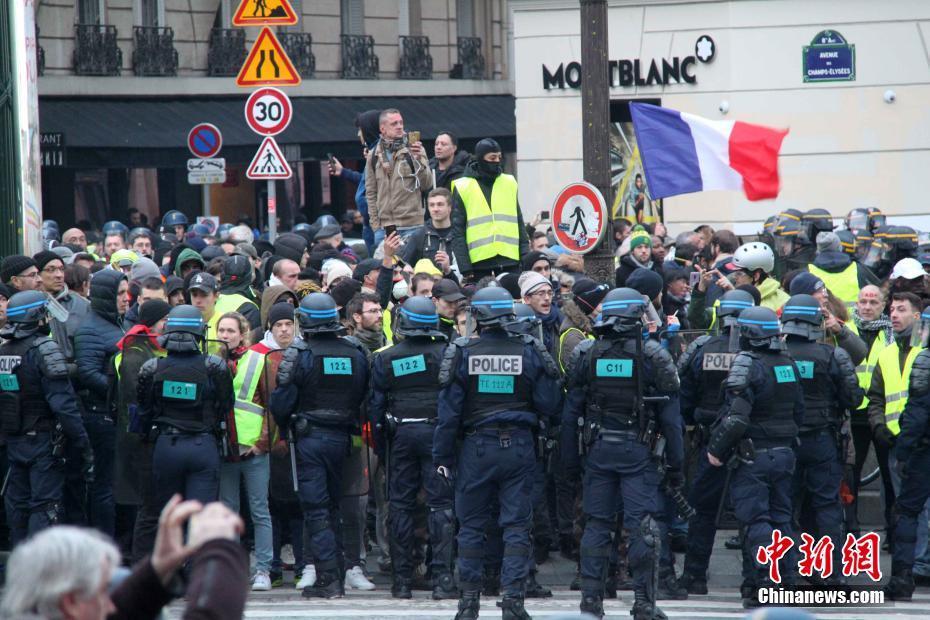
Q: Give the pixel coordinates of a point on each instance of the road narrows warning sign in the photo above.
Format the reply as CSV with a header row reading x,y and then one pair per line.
x,y
264,13
267,64
268,162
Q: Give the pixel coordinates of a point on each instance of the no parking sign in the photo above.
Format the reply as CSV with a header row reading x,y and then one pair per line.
x,y
579,217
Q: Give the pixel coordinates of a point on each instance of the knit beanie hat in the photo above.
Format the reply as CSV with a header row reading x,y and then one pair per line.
x,y
646,281
44,257
15,265
290,245
828,242
153,311
142,269
281,311
345,290
639,237
530,282
589,294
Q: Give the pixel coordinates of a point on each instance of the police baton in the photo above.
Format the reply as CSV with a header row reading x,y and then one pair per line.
x,y
292,448
6,482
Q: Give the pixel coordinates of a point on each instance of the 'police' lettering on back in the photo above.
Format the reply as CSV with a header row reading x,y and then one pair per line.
x,y
495,364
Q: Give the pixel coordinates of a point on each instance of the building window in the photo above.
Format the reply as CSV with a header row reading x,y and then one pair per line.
x,y
149,13
465,18
353,16
90,12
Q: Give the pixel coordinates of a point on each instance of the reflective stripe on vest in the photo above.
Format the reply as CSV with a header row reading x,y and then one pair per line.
x,y
562,344
491,230
896,383
225,303
866,369
249,416
844,284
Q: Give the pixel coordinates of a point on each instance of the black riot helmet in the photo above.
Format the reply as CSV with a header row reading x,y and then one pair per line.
x,y
185,319
173,218
814,222
318,315
857,219
731,305
759,328
492,305
876,219
768,227
788,215
787,237
847,241
803,317
525,321
418,317
622,311
26,312
114,227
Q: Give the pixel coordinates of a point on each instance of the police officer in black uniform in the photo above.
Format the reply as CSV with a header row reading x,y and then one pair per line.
x,y
912,453
184,398
830,386
322,384
764,404
38,411
402,409
495,388
703,370
608,380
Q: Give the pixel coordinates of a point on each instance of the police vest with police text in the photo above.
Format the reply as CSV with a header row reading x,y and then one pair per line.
x,y
496,382
772,416
22,387
812,361
490,229
716,358
412,369
896,383
612,383
330,397
183,396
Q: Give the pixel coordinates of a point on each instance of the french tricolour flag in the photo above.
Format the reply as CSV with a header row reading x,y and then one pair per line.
x,y
683,153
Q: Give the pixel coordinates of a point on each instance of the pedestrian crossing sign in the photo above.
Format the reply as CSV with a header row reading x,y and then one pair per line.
x,y
267,64
264,13
268,162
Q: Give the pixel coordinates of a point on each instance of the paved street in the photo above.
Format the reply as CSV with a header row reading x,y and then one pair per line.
x,y
723,602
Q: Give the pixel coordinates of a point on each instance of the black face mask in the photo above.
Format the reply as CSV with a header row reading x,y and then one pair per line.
x,y
490,168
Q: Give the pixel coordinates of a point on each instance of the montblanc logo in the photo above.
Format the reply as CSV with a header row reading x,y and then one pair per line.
x,y
705,49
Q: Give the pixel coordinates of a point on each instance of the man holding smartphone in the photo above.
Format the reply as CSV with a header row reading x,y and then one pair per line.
x,y
434,240
397,174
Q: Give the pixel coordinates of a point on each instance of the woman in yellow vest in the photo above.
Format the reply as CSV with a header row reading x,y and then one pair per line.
x,y
248,459
488,235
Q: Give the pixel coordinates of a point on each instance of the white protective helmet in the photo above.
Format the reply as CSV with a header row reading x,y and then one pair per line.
x,y
754,255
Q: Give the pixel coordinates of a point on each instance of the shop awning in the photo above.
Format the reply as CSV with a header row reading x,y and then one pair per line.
x,y
152,131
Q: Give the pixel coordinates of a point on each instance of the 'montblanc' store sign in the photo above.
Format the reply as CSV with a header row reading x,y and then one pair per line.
x,y
635,72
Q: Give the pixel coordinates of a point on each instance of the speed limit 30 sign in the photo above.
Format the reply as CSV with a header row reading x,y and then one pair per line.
x,y
268,111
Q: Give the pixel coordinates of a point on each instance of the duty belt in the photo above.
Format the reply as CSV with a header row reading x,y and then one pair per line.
x,y
616,435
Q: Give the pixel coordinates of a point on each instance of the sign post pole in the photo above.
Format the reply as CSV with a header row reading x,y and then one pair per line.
x,y
205,192
272,211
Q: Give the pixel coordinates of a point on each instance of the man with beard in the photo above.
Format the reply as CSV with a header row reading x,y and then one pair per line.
x,y
365,316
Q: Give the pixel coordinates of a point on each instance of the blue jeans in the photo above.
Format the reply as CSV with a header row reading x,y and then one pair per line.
x,y
922,533
256,472
101,429
403,231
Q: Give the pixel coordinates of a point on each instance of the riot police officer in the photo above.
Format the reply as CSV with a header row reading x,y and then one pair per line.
x,y
38,410
402,408
322,383
703,369
608,382
912,453
496,387
830,387
184,398
765,405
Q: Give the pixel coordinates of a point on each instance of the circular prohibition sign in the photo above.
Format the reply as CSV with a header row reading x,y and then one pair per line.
x,y
268,111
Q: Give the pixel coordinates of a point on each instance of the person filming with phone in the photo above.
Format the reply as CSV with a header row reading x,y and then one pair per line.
x,y
397,173
434,240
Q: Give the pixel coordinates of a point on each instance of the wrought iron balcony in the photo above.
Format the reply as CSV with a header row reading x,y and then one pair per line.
x,y
154,52
358,57
415,60
471,62
96,51
299,48
40,55
227,52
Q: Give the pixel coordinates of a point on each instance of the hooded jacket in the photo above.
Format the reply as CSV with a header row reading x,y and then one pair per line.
x,y
628,266
455,170
368,123
272,295
96,340
185,255
837,262
498,264
575,327
64,333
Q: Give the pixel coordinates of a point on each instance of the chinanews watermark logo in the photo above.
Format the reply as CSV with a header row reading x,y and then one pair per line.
x,y
859,556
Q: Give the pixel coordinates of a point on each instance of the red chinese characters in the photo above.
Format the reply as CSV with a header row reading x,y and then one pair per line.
x,y
859,555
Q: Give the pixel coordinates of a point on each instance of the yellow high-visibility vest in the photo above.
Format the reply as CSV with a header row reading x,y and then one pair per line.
x,y
865,369
844,284
225,303
562,344
249,416
490,230
896,383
